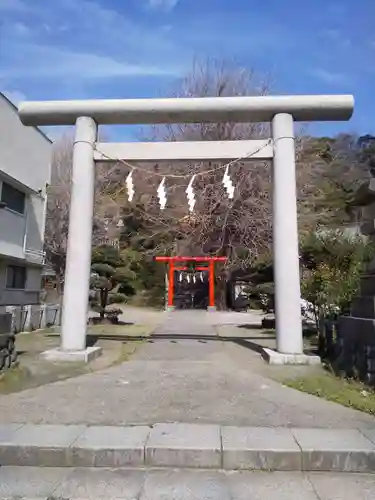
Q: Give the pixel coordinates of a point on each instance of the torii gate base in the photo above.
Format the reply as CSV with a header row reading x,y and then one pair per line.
x,y
280,111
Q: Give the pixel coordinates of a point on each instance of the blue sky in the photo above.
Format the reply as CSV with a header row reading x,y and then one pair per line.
x,y
68,49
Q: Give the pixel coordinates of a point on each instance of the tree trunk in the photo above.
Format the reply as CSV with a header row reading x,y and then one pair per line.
x,y
102,303
221,291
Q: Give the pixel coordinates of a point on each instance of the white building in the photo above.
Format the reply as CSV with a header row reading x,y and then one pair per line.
x,y
25,155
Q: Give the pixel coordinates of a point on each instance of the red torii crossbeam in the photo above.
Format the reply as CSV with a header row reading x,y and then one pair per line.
x,y
211,274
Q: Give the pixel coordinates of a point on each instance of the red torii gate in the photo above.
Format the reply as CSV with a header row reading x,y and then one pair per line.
x,y
211,276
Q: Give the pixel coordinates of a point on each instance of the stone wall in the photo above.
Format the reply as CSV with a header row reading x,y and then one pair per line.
x,y
354,350
34,317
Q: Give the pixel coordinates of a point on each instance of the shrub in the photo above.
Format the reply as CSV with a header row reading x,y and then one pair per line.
x,y
117,298
332,266
109,270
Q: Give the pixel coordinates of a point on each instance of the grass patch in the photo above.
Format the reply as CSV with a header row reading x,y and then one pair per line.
x,y
127,350
119,343
11,379
345,392
22,377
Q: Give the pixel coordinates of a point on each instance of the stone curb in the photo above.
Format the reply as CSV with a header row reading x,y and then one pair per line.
x,y
188,446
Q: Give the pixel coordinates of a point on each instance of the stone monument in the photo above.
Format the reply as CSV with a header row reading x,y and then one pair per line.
x,y
356,333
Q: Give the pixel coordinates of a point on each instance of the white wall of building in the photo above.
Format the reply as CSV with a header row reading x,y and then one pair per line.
x,y
25,157
25,153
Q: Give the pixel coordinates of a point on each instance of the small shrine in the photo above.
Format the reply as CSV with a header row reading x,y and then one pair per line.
x,y
199,274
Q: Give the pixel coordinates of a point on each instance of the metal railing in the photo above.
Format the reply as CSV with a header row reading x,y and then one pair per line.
x,y
37,256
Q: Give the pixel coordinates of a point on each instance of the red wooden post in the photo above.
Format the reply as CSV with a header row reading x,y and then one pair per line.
x,y
211,294
171,283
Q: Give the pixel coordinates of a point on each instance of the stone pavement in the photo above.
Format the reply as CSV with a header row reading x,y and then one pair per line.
x,y
189,446
186,374
146,316
31,483
220,412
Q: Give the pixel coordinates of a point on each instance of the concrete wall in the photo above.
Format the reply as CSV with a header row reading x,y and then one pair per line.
x,y
25,157
25,153
31,293
12,232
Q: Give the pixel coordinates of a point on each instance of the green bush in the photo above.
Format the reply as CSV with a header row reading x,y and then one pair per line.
x,y
111,269
117,298
332,263
127,289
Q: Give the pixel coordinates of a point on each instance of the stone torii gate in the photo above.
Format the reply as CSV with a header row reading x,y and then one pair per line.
x,y
280,111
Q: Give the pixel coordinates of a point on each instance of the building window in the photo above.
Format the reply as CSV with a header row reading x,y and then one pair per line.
x,y
16,277
13,198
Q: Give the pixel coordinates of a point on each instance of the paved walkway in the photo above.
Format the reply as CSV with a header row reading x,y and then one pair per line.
x,y
146,316
33,483
180,379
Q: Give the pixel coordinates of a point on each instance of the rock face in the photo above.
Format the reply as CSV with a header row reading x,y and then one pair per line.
x,y
356,333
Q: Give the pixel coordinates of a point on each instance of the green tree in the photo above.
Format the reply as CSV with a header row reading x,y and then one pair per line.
x,y
144,239
331,170
113,270
332,263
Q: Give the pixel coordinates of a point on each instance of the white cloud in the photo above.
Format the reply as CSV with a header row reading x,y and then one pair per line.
x,y
330,77
15,96
84,41
42,61
166,5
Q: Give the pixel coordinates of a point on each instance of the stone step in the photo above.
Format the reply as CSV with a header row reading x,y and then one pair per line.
x,y
188,446
33,483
